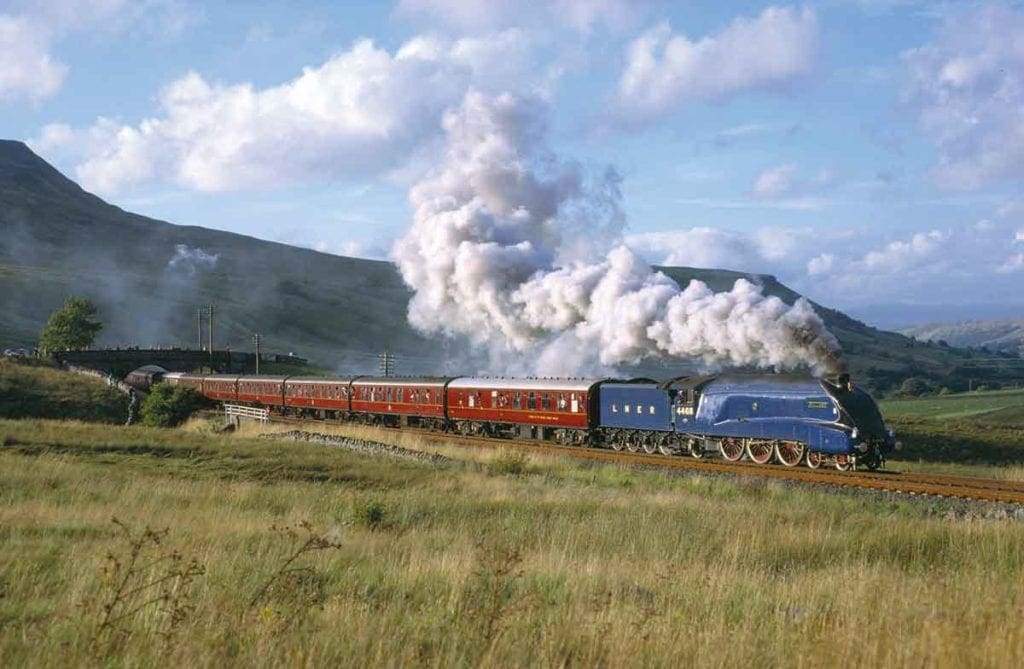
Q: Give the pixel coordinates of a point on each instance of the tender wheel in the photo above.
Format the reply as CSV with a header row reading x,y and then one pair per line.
x,y
616,441
632,443
649,445
789,453
731,449
759,451
843,463
815,459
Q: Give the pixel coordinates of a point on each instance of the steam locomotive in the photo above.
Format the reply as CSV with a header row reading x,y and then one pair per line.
x,y
767,418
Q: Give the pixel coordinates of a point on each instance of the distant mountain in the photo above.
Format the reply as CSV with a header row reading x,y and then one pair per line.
x,y
1001,335
148,277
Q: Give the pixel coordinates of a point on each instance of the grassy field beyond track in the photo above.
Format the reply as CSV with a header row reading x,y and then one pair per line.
x,y
971,428
997,407
493,561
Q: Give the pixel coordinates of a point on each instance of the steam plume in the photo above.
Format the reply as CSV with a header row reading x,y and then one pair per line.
x,y
192,259
521,251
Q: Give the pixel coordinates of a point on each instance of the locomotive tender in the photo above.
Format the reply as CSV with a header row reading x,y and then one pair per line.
x,y
768,417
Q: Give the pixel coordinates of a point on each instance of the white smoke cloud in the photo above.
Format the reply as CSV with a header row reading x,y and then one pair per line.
x,y
519,250
192,259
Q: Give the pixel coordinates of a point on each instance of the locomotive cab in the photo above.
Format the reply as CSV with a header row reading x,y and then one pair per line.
x,y
859,412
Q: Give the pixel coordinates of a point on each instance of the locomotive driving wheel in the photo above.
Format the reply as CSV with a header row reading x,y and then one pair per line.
x,y
843,462
789,453
760,451
731,449
815,459
696,448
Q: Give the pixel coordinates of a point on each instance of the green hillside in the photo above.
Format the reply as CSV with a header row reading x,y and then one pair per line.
x,y
339,312
30,389
997,335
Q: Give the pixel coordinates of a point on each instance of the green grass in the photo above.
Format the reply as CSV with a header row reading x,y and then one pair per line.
x,y
464,563
995,406
979,428
30,389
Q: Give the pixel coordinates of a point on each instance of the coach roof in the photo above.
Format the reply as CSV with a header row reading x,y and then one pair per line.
x,y
498,383
400,380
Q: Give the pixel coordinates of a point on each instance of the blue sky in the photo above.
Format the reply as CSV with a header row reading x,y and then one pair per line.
x,y
870,153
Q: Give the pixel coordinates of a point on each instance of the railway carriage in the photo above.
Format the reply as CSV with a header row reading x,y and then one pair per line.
x,y
326,397
529,408
263,390
193,381
395,401
221,387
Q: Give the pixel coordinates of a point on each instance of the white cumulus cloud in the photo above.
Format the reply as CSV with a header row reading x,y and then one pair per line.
x,y
474,15
363,111
30,28
666,70
968,88
27,70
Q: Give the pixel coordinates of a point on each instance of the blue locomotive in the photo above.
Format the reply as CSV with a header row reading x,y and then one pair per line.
x,y
789,419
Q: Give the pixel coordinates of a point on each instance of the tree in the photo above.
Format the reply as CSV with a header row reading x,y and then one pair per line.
x,y
72,327
916,386
168,406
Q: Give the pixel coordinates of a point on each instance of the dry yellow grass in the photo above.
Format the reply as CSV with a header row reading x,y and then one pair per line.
x,y
565,564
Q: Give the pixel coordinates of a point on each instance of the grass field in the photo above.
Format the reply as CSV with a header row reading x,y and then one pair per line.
x,y
967,428
998,407
493,561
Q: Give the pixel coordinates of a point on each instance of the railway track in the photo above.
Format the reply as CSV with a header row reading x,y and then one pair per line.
x,y
910,483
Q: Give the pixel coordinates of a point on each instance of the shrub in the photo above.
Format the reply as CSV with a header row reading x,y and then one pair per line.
x,y
369,514
169,406
508,462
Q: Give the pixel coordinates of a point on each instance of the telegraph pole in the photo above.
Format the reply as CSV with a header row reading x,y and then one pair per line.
x,y
210,333
386,363
256,344
199,327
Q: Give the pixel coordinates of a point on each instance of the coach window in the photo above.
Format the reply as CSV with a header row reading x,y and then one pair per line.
x,y
562,404
531,401
545,402
427,395
389,394
517,400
